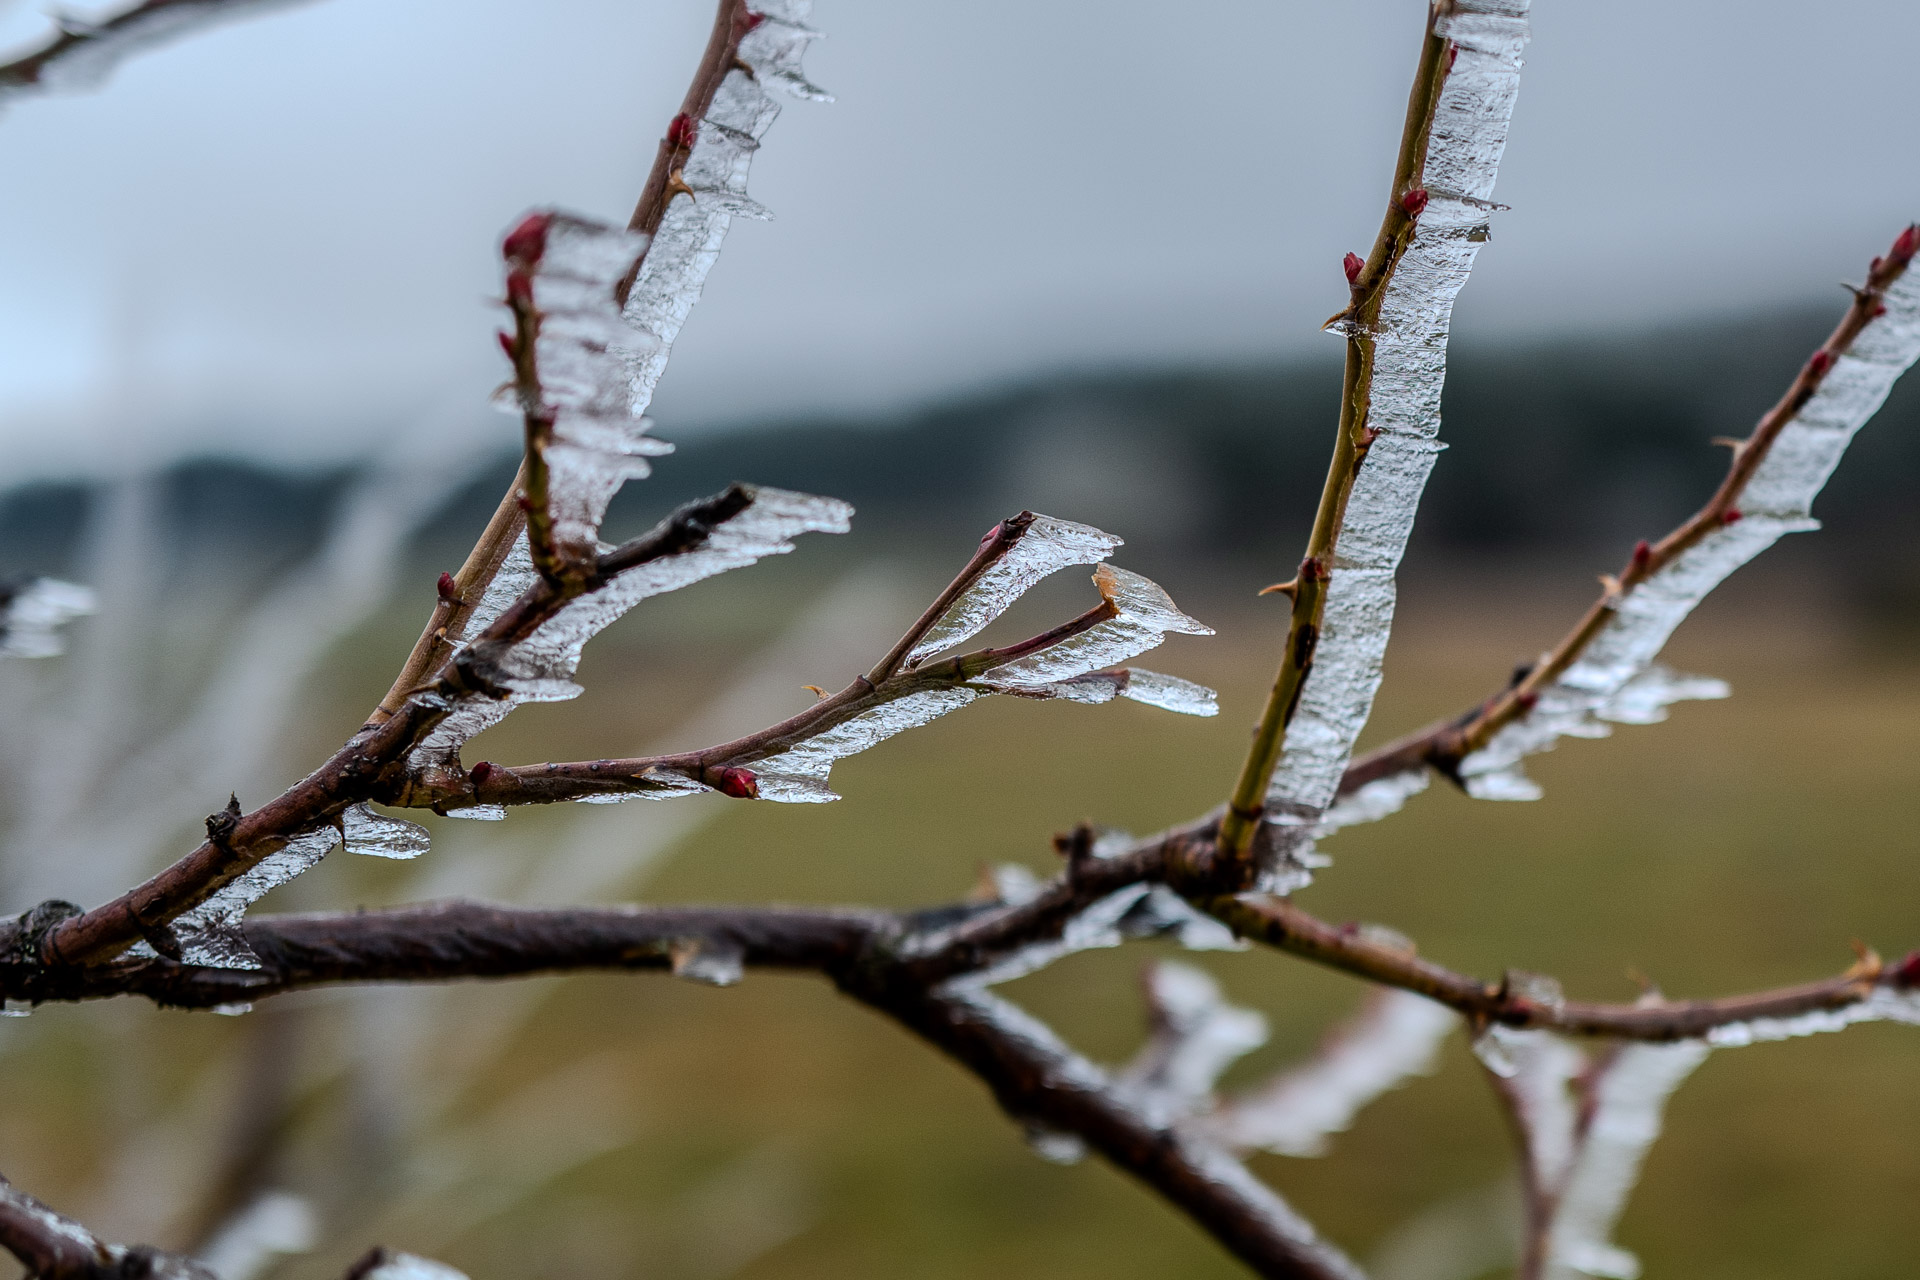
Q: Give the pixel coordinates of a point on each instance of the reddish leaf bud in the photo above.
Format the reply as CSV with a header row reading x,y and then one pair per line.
x,y
519,288
1642,556
1414,201
991,534
1879,309
1907,244
1873,268
741,784
1453,51
479,774
526,242
508,345
449,589
1352,264
748,20
1526,701
681,131
1732,515
1907,972
1822,360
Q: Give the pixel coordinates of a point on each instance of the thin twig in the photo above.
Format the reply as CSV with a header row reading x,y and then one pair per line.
x,y
100,45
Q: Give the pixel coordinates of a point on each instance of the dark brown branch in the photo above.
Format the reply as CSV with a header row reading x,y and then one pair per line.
x,y
999,540
1280,924
1038,1081
1445,744
53,1247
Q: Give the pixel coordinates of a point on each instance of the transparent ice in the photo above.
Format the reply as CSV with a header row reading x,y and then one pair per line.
x,y
1395,1036
1409,345
1616,677
1534,1071
31,616
209,934
1196,1036
1044,548
87,65
405,1266
1145,615
1162,913
380,836
715,962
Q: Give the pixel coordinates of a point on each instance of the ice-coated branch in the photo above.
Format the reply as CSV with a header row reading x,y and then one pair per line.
x,y
32,613
79,54
1603,670
1396,325
54,1247
793,760
1868,991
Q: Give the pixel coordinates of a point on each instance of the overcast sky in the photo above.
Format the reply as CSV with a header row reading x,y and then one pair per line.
x,y
278,237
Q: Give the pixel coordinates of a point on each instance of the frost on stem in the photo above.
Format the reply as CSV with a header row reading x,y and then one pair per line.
x,y
1615,677
210,934
1194,1036
540,668
1394,1036
1408,348
1040,546
570,349
695,222
32,613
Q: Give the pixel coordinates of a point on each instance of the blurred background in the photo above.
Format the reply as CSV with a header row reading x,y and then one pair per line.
x,y
1070,257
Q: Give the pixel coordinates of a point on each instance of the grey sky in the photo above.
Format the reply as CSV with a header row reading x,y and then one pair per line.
x,y
278,237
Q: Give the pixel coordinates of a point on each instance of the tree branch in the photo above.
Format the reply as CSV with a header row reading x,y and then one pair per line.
x,y
53,1247
88,51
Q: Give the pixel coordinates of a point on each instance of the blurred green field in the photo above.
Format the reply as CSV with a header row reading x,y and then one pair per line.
x,y
775,1129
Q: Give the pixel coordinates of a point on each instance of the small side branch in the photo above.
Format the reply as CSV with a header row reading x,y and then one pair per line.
x,y
54,1247
85,52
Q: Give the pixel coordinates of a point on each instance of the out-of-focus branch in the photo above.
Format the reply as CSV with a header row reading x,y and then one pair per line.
x,y
1278,923
83,53
54,1247
1445,744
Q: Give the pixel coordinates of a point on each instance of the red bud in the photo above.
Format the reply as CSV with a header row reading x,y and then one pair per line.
x,y
1907,972
1414,201
1879,309
1527,701
1821,361
479,774
1732,515
1453,51
449,589
748,20
1907,244
1642,555
680,132
526,242
507,345
519,288
741,784
1352,264
991,534
1873,268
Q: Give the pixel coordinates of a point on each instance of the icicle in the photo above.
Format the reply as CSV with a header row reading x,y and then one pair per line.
x,y
1615,677
210,933
691,230
1623,1105
1464,147
540,668
716,962
1196,1035
380,836
406,1266
1145,615
1169,693
1534,1072
1884,1004
1045,547
800,774
1394,1037
31,616
1097,926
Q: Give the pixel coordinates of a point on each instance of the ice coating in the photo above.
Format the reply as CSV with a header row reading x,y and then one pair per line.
x,y
87,63
1615,677
1395,1036
1044,548
31,616
1624,1102
799,774
1196,1036
1169,693
707,960
692,228
380,836
1409,348
406,1266
540,668
1883,1004
1145,615
1534,1072
597,439
209,934
1162,913
1097,926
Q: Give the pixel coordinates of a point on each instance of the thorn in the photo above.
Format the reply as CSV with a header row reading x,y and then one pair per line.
x,y
1641,980
681,132
1867,963
1907,244
1336,318
1414,201
677,185
815,690
526,242
1290,588
1729,442
479,774
448,589
741,784
1732,515
1352,265
1610,584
